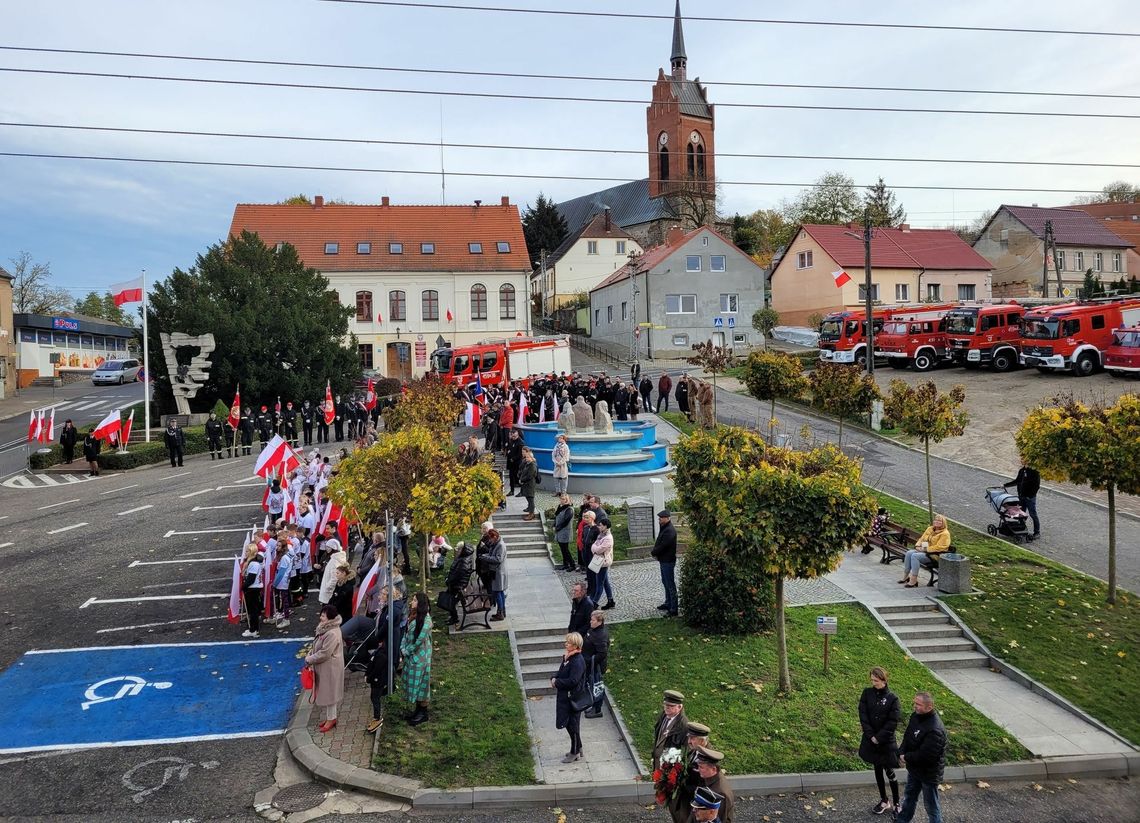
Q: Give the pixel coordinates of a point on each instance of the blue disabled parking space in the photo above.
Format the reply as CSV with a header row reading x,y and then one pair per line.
x,y
138,695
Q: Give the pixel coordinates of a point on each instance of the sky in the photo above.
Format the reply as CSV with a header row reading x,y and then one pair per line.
x,y
98,222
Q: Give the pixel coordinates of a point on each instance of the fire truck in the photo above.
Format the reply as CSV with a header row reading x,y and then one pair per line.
x,y
1074,336
500,361
918,339
1122,357
985,334
843,334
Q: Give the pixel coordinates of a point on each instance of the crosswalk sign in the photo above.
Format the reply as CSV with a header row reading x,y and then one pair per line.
x,y
732,322
718,322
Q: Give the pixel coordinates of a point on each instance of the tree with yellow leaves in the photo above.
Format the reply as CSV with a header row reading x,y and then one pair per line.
x,y
772,376
427,402
843,391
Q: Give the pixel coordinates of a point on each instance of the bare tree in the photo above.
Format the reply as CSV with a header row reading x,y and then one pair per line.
x,y
696,201
32,292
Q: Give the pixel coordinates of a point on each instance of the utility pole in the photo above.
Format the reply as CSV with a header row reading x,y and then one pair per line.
x,y
542,265
867,290
633,293
1045,261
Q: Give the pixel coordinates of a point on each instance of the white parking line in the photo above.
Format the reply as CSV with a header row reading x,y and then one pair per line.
x,y
67,528
256,485
195,494
171,533
180,474
226,506
5,517
6,545
169,562
185,582
96,601
259,642
60,503
121,488
132,511
164,623
188,554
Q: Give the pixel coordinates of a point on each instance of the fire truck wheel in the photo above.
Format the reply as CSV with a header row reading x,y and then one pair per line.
x,y
1085,365
1117,373
1003,361
923,361
861,360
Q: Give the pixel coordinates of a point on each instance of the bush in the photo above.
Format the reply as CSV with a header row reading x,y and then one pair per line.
x,y
141,454
721,596
386,386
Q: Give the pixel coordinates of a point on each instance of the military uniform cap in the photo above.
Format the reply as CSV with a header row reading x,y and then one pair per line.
x,y
672,696
699,729
706,798
707,755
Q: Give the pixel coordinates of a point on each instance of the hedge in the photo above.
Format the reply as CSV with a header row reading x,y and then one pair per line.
x,y
141,454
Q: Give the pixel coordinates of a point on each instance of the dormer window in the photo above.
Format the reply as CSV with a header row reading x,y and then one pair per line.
x,y
395,248
475,248
427,248
332,248
503,247
364,248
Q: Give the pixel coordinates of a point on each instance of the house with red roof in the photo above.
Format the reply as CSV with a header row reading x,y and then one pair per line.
x,y
822,270
1123,220
1016,241
419,277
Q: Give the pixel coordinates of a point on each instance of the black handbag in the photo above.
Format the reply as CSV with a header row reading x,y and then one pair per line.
x,y
444,600
582,697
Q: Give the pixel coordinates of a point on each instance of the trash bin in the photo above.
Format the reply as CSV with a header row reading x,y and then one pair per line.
x,y
954,574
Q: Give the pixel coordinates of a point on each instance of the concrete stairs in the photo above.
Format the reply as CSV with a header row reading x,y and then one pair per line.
x,y
540,652
524,538
932,638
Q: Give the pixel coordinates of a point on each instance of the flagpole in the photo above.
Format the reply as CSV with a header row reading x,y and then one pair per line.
x,y
146,360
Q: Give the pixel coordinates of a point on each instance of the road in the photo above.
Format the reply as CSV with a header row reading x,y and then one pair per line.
x,y
82,402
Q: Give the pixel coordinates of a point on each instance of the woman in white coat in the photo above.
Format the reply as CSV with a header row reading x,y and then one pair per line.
x,y
561,458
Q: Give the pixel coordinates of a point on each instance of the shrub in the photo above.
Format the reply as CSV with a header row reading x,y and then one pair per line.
x,y
723,596
140,454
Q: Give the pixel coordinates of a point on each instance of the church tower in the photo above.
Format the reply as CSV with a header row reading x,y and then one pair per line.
x,y
679,127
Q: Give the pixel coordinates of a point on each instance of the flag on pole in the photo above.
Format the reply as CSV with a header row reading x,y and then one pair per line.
x,y
477,390
41,435
110,426
370,395
270,456
450,316
542,411
235,409
522,406
234,612
34,428
472,415
125,438
49,431
841,277
367,583
128,292
330,409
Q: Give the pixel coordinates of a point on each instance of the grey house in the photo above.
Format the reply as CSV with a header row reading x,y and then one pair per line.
x,y
697,286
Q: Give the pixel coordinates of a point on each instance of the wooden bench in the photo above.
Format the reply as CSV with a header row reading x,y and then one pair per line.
x,y
894,542
476,601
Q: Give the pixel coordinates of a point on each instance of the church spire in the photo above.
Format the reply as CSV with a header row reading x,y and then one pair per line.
x,y
678,59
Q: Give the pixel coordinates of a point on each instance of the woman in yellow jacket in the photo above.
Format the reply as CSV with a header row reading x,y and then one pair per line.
x,y
934,541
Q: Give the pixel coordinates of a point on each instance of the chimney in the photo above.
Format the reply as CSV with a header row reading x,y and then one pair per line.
x,y
674,235
478,203
385,201
904,227
607,219
318,202
506,201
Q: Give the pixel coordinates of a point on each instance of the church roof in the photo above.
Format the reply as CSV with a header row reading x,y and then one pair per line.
x,y
629,204
678,35
688,94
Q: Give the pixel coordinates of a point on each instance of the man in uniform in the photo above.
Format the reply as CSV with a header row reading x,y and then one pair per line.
x,y
322,426
264,422
338,423
246,427
289,424
708,767
706,807
307,422
214,435
175,440
671,728
698,735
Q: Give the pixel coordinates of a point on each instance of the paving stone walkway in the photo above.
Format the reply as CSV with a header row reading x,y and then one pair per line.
x,y
348,742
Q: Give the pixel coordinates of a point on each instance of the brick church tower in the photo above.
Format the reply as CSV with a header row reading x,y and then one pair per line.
x,y
680,130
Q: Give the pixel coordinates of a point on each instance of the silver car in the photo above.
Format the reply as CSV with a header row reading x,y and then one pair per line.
x,y
117,371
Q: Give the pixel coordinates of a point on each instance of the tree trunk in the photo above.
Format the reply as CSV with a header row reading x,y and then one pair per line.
x,y
714,400
1111,543
424,564
839,443
781,637
771,417
929,487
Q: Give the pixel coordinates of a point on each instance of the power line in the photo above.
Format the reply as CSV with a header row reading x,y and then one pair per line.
x,y
559,149
559,98
497,175
571,77
763,21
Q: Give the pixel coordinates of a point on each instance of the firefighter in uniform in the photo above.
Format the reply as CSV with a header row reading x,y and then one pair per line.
x,y
264,423
307,413
214,434
338,424
289,423
246,427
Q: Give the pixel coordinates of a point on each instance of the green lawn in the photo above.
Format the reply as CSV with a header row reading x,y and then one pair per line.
x,y
477,735
1051,622
730,683
678,421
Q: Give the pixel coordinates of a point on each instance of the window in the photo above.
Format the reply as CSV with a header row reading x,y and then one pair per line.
x,y
59,339
427,248
803,260
506,302
693,262
332,248
701,162
728,304
1061,260
395,248
429,304
364,351
490,360
1098,321
902,292
591,247
934,291
364,248
718,262
503,247
1116,262
990,322
680,304
478,302
1099,262
1080,261
280,247
609,314
705,240
691,161
624,306
475,248
967,291
680,340
597,316
739,338
874,292
397,305
663,164
619,247
364,307
1070,327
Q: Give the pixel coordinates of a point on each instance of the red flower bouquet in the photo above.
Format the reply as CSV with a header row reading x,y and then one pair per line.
x,y
667,776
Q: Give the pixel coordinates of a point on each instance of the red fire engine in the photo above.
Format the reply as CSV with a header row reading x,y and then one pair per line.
x,y
1123,356
918,340
1074,335
502,360
843,334
985,334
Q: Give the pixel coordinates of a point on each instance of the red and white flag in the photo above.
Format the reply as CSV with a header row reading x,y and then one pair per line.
x,y
47,435
367,583
235,409
542,411
841,277
522,407
473,415
450,316
128,292
34,427
370,395
330,409
270,457
234,613
125,437
111,425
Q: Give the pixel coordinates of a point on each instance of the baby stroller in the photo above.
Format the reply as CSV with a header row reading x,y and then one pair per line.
x,y
1011,517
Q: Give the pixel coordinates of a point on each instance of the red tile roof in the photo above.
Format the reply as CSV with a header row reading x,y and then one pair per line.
x,y
1122,219
1071,226
653,256
450,228
934,249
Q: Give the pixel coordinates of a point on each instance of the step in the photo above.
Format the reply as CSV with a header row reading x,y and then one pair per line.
x,y
524,544
953,660
538,687
939,644
538,635
907,608
540,656
538,671
921,633
917,619
528,554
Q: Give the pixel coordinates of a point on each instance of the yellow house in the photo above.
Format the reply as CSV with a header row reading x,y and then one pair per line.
x,y
907,266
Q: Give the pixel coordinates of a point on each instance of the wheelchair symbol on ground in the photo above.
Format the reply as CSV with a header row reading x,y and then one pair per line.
x,y
162,768
131,686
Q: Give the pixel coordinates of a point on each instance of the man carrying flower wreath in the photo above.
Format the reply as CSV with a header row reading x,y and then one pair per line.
x,y
714,779
679,806
672,727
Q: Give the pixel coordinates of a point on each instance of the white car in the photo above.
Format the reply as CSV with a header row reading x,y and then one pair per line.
x,y
117,371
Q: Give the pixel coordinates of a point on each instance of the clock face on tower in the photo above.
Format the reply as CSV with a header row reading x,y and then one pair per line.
x,y
695,138
663,139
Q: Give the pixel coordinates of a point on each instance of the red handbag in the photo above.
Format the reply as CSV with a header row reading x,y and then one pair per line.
x,y
307,678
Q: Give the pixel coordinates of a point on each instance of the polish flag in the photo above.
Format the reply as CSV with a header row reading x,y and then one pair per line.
x,y
109,427
270,457
49,431
128,292
473,415
841,277
557,411
370,395
34,428
41,434
330,409
265,497
235,409
367,583
450,316
268,572
125,439
542,411
522,407
234,612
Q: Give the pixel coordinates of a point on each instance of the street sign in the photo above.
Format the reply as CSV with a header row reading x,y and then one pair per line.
x,y
826,625
645,325
1067,293
732,322
718,322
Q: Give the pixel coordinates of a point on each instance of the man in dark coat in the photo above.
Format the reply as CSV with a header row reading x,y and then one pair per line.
x,y
664,386
1028,483
665,553
596,651
645,388
713,778
923,753
289,424
338,422
264,424
691,779
175,440
377,674
514,449
307,414
458,576
672,727
682,395
581,607
214,435
246,427
68,437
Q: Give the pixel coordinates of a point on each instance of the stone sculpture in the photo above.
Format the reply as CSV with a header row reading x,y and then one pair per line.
x,y
186,379
566,418
583,415
705,398
603,423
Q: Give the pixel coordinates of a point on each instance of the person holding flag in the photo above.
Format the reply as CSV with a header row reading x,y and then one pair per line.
x,y
108,429
233,421
326,416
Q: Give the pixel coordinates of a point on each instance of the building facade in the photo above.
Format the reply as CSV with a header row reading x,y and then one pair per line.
x,y
48,346
418,276
585,258
1015,241
695,287
1123,220
907,266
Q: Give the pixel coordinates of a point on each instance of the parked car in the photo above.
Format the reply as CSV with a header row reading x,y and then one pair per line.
x,y
117,371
